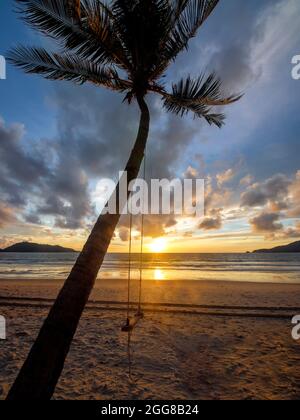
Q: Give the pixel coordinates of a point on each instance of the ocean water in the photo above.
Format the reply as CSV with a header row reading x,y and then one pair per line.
x,y
270,268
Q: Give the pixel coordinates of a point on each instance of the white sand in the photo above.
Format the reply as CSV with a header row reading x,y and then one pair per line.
x,y
175,356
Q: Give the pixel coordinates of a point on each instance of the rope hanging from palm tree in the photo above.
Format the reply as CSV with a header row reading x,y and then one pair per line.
x,y
142,244
139,314
130,324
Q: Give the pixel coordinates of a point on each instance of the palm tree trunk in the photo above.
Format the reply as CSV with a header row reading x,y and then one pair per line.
x,y
41,371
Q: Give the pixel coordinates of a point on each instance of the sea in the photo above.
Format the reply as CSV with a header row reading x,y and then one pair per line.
x,y
264,268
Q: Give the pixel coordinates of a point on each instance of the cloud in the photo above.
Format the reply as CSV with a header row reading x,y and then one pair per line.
x,y
292,232
152,228
213,221
294,192
278,198
31,177
254,53
124,234
67,196
247,180
216,195
20,170
225,177
279,18
267,223
155,226
7,215
273,190
170,223
191,173
170,137
32,218
95,129
279,192
235,66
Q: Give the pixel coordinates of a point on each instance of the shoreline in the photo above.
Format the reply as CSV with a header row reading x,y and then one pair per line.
x,y
187,292
122,280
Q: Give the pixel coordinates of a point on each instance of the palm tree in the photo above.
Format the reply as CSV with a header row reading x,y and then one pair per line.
x,y
125,46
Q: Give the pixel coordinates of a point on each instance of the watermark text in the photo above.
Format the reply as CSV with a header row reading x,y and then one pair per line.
x,y
2,328
2,68
158,197
296,68
296,329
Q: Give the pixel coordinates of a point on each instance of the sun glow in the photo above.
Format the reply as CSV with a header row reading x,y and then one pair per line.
x,y
159,245
158,274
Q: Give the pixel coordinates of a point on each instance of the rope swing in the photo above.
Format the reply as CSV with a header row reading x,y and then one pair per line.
x,y
131,322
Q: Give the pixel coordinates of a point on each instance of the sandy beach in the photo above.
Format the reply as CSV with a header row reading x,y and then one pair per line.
x,y
199,340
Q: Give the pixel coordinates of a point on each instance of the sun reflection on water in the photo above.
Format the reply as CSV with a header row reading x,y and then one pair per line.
x,y
159,274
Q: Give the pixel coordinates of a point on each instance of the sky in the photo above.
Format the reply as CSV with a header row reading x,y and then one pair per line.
x,y
58,140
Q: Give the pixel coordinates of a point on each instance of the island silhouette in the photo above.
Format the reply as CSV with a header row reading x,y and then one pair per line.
x,y
36,248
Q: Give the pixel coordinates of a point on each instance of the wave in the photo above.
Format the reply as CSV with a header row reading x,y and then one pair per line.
x,y
255,267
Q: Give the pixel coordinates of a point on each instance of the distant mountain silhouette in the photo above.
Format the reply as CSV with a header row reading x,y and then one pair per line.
x,y
294,247
31,247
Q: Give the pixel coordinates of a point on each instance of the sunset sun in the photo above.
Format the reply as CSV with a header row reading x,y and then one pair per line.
x,y
158,245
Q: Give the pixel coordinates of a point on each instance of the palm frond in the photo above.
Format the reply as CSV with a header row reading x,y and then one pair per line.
x,y
53,18
74,10
140,37
198,96
68,67
193,14
178,7
142,26
99,23
188,16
